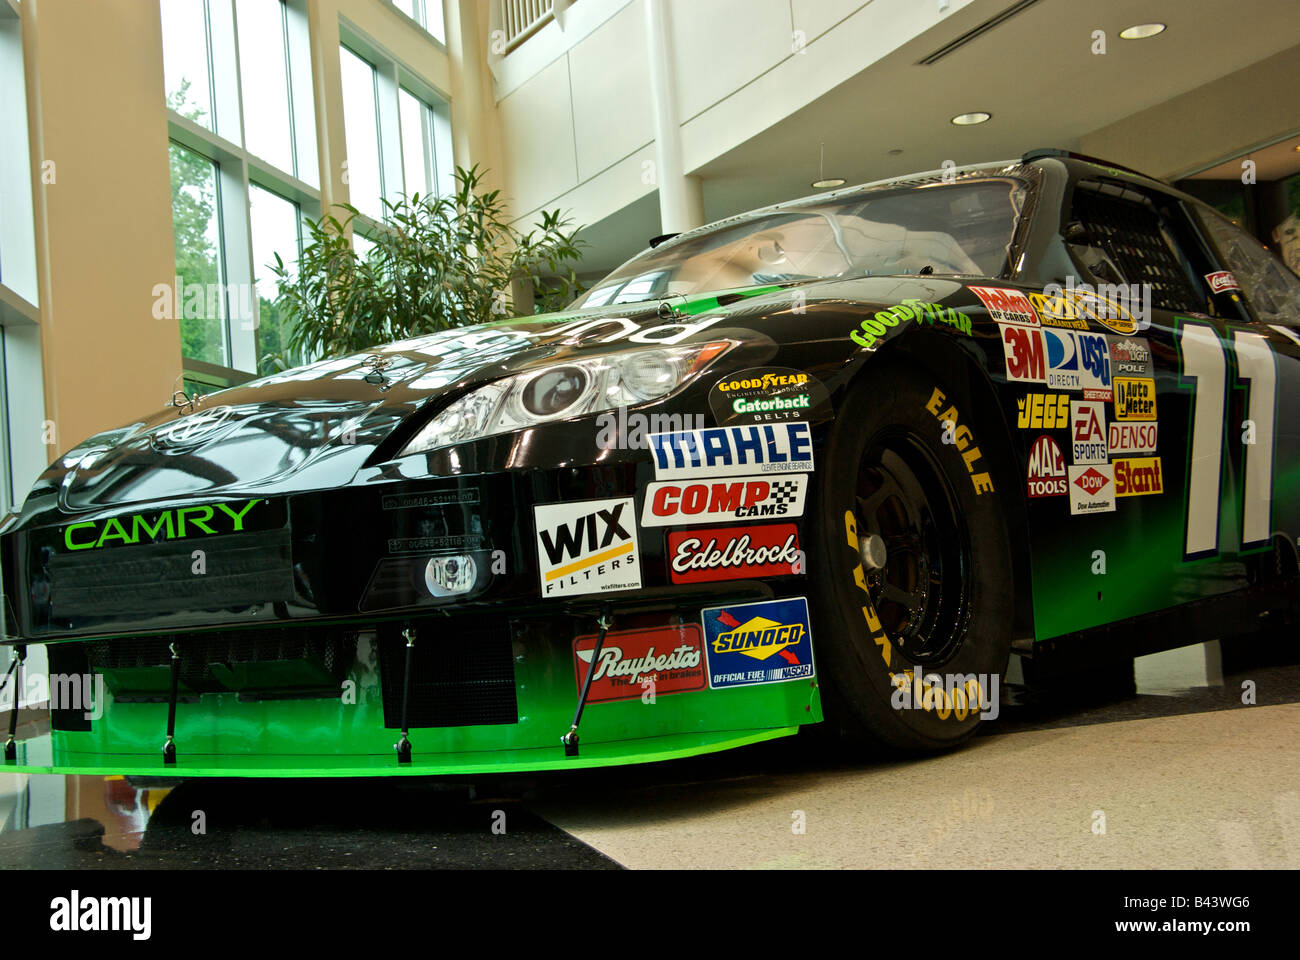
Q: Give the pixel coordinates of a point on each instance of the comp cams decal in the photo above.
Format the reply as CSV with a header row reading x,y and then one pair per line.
x,y
766,642
734,553
767,395
587,546
719,501
730,451
667,659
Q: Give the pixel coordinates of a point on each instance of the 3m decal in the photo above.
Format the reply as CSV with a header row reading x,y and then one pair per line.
x,y
766,642
719,501
960,436
1130,357
1043,411
767,395
1092,489
1046,475
587,546
1138,477
724,451
1088,431
181,523
1221,281
671,658
1007,306
872,330
734,553
1025,354
1135,398
1132,437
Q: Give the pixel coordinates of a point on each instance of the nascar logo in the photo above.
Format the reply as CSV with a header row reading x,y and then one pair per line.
x,y
717,501
720,451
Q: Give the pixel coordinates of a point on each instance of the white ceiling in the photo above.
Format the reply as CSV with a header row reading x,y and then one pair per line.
x,y
1036,73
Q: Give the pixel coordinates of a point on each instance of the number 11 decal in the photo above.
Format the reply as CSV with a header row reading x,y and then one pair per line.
x,y
1205,360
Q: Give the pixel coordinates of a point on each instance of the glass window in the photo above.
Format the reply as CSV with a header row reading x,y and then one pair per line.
x,y
187,68
362,244
361,132
417,148
200,300
427,13
264,80
1272,289
275,223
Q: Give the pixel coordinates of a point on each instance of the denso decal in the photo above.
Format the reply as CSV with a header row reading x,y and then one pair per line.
x,y
1222,281
1026,356
1092,488
1046,475
1132,437
1130,357
1007,306
1088,431
1043,411
1138,477
724,451
734,553
1135,398
718,501
587,546
664,660
179,524
766,642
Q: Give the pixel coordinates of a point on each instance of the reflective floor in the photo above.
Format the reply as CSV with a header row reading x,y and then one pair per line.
x,y
1172,771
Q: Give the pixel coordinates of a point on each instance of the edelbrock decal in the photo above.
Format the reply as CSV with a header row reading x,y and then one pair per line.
x,y
587,546
719,501
766,642
734,553
728,451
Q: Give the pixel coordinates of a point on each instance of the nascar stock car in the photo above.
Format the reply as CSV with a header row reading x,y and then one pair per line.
x,y
839,457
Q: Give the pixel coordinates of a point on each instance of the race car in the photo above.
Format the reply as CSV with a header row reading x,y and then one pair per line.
x,y
832,460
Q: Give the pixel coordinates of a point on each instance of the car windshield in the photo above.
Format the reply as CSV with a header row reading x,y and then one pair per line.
x,y
963,229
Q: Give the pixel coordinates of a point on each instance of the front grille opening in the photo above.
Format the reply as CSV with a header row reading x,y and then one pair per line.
x,y
461,676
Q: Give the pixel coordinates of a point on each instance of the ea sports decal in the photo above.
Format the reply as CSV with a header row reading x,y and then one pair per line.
x,y
768,395
668,659
674,503
1007,306
729,451
1092,488
1088,431
766,642
1132,437
1046,475
734,553
587,546
1025,353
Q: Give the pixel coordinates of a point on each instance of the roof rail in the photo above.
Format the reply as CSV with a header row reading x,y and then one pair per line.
x,y
1040,153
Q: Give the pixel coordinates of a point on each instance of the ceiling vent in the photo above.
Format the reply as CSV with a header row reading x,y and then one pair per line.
x,y
995,21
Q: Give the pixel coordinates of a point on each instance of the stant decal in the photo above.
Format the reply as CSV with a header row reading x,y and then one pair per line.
x,y
727,451
587,546
670,658
1007,306
1135,398
1221,281
1092,489
1043,411
734,553
766,642
1088,431
1046,476
767,395
1138,477
1025,355
1132,437
1130,357
719,501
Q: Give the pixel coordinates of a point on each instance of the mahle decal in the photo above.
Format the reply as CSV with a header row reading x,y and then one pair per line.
x,y
178,524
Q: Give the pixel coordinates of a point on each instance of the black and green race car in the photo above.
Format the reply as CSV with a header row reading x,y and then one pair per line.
x,y
833,459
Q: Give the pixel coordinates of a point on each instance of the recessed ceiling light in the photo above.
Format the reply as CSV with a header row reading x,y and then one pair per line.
x,y
828,182
968,119
1297,148
1141,31
896,152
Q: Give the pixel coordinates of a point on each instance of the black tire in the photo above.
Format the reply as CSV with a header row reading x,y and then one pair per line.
x,y
942,597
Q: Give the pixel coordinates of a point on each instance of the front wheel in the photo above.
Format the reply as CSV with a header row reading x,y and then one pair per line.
x,y
913,561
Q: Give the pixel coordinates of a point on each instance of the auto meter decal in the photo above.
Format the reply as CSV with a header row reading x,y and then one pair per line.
x,y
1046,475
730,451
1221,281
1132,437
667,659
1025,353
1092,488
1130,357
1007,306
587,546
1088,431
734,553
1138,477
749,643
768,395
1135,398
719,501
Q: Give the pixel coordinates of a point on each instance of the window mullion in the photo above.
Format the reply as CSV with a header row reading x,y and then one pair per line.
x,y
226,101
241,300
390,131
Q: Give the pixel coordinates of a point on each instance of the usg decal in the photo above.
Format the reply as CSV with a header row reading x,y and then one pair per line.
x,y
766,642
1092,488
718,501
666,659
1094,365
734,553
1088,431
588,546
724,451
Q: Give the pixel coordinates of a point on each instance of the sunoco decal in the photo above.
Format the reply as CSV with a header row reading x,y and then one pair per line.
x,y
766,395
666,659
588,546
749,643
728,451
719,501
734,553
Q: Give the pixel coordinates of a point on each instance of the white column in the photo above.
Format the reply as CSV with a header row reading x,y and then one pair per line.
x,y
681,199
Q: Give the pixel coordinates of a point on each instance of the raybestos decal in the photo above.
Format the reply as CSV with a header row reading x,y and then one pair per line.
x,y
661,660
